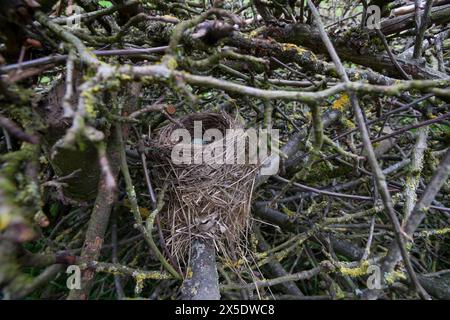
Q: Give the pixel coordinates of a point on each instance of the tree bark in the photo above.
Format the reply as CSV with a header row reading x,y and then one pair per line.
x,y
204,284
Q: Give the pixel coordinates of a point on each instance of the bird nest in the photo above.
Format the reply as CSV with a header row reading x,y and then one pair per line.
x,y
209,193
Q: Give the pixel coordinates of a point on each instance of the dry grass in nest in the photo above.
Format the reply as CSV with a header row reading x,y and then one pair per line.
x,y
208,201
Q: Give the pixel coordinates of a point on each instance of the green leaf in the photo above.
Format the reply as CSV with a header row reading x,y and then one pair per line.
x,y
54,208
105,4
44,80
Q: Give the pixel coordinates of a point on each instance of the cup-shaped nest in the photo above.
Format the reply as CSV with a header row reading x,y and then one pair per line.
x,y
208,194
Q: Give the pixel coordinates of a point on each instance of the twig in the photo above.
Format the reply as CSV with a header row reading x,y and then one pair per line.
x,y
324,266
324,192
98,222
378,174
420,209
413,177
115,260
135,208
16,131
56,59
413,126
125,270
391,55
421,29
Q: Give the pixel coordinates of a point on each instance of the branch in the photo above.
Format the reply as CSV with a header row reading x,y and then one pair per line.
x,y
377,172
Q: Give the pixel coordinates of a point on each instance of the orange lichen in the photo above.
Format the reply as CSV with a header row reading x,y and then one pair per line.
x,y
341,102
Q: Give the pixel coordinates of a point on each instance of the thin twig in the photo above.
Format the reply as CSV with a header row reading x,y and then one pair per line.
x,y
378,173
